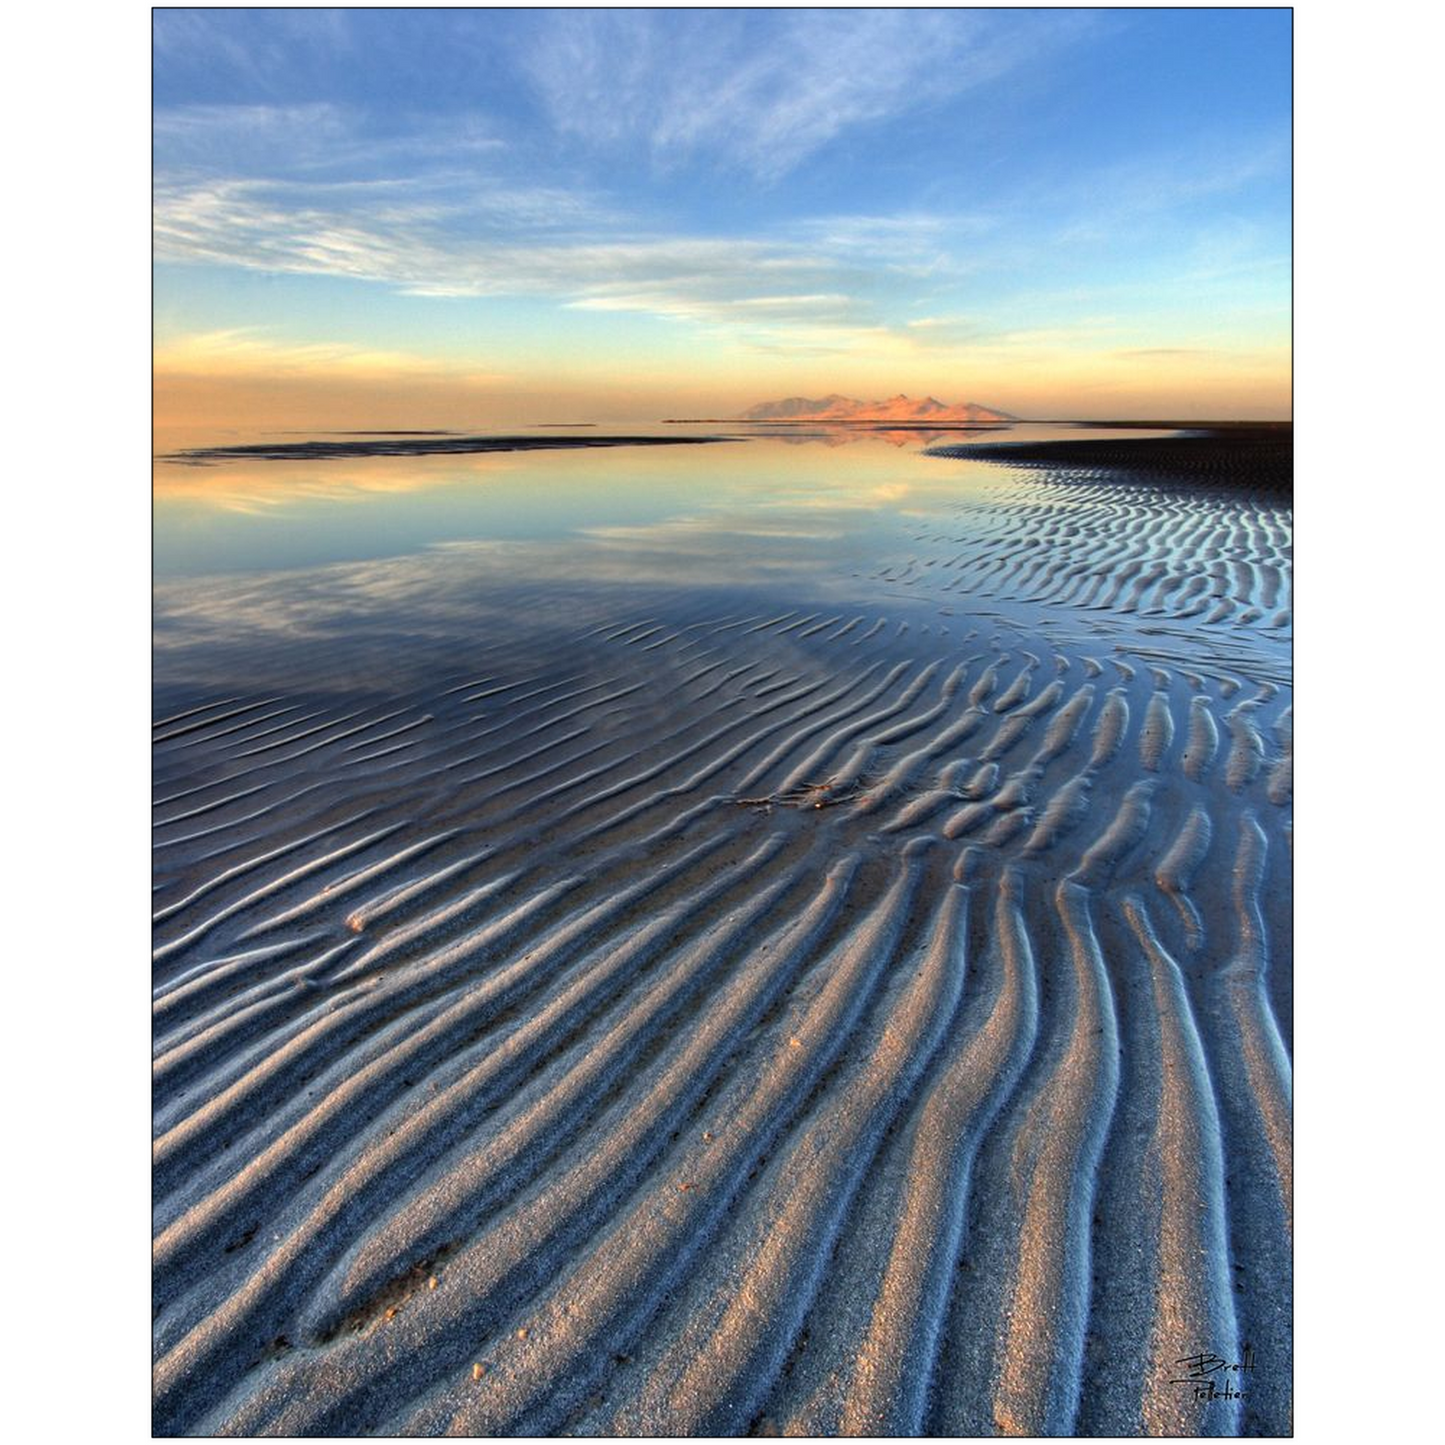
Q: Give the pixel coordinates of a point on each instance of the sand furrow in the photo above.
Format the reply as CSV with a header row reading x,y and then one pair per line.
x,y
1016,691
1202,742
502,1267
898,777
240,870
1109,727
1156,733
159,739
212,738
1064,726
718,1371
204,808
329,726
1040,1336
815,764
1178,867
1246,749
458,1198
859,760
246,1102
886,1390
1251,1067
1019,723
290,878
1064,812
1188,1246
427,1132
1281,775
619,1283
1104,857
343,887
220,977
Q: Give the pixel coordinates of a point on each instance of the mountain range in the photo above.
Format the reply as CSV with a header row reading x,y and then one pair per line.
x,y
846,408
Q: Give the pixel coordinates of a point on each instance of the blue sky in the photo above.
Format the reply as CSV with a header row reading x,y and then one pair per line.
x,y
1051,211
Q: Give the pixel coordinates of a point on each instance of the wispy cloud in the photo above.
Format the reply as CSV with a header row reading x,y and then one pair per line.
x,y
316,140
1162,353
808,290
522,245
761,93
415,234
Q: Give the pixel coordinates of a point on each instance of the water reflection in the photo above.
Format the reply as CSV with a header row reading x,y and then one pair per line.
x,y
253,513
732,508
395,562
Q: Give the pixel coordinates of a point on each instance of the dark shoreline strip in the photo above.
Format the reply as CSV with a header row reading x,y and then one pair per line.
x,y
1259,459
412,447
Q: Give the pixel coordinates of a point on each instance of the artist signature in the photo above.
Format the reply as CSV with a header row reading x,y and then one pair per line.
x,y
1212,1377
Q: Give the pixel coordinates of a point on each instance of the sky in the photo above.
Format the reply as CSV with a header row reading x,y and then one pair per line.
x,y
407,218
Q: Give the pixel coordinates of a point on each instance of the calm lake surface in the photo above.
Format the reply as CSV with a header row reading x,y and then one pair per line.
x,y
255,559
253,515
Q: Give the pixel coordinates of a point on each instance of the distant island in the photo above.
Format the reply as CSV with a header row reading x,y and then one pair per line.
x,y
846,408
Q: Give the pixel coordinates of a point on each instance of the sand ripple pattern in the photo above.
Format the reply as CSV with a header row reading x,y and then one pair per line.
x,y
1202,572
787,1021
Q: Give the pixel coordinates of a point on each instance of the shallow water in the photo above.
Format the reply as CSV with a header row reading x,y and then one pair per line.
x,y
776,935
257,550
251,515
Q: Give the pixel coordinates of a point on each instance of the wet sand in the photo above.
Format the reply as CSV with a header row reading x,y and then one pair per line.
x,y
693,1017
1242,456
416,444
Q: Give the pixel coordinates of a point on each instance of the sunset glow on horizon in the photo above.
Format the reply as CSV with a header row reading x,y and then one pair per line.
x,y
481,218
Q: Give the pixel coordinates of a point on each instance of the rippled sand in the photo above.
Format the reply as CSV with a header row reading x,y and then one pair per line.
x,y
688,1017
